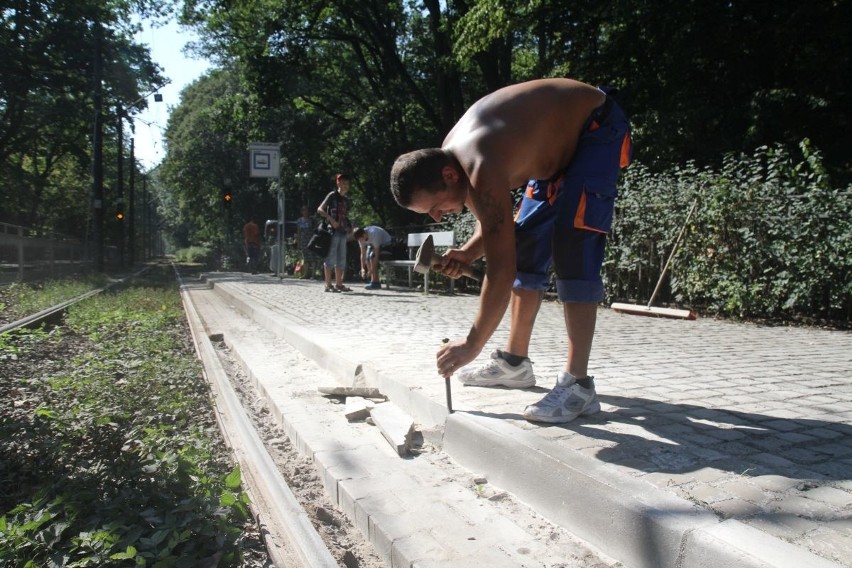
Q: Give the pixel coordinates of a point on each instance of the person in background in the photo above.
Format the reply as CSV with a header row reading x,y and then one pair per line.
x,y
334,209
371,239
251,241
305,227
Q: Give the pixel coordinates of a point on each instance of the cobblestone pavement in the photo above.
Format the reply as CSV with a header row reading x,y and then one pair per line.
x,y
753,423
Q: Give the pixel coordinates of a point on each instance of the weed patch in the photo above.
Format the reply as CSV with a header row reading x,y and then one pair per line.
x,y
109,452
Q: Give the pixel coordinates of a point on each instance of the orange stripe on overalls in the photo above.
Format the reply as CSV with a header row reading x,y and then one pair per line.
x,y
626,145
553,189
580,215
528,194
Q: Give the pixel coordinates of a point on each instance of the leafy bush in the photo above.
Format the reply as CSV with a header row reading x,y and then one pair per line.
x,y
109,457
769,238
194,255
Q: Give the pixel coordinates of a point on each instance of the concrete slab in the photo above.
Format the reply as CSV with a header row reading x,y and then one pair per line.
x,y
357,408
396,426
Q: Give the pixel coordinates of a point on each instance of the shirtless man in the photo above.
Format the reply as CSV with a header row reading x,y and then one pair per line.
x,y
567,142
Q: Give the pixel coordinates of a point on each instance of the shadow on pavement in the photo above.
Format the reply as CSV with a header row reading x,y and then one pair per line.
x,y
668,437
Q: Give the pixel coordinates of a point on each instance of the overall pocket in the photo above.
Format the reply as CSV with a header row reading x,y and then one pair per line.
x,y
596,206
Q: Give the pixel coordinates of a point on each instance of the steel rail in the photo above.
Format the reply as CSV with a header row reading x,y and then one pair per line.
x,y
290,536
47,313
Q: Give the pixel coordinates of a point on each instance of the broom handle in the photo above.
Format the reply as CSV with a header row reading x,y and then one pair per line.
x,y
671,254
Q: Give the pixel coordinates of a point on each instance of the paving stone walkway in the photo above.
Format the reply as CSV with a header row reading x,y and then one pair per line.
x,y
750,422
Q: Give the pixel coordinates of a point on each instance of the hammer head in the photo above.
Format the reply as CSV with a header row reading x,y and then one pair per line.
x,y
423,260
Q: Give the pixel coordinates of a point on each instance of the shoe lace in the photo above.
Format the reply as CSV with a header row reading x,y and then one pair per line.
x,y
554,397
488,368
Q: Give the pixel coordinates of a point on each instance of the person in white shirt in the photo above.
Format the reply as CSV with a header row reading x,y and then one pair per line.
x,y
371,239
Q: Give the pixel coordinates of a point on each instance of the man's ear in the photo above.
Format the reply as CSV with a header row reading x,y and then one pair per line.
x,y
449,174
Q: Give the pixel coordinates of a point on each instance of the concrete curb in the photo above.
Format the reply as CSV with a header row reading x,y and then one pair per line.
x,y
652,528
629,519
273,502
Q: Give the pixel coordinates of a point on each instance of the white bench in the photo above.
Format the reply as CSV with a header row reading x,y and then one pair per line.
x,y
440,239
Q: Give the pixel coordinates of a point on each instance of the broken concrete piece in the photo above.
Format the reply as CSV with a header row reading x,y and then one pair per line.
x,y
366,392
395,425
358,408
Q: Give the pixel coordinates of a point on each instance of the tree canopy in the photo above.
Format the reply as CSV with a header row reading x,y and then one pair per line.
x,y
53,51
347,85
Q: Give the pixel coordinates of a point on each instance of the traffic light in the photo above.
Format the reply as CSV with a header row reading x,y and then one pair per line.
x,y
119,210
227,198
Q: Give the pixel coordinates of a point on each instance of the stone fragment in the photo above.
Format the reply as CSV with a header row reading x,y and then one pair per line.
x,y
357,408
366,392
395,425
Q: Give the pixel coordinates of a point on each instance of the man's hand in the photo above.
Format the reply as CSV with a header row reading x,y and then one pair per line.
x,y
454,355
453,263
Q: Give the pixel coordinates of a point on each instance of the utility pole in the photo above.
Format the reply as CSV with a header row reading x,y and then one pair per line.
x,y
119,186
144,218
130,235
131,208
98,155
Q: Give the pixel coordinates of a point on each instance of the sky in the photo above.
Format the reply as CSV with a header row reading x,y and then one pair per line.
x,y
166,44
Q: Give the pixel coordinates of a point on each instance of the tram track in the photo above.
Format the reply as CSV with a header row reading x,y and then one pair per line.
x,y
325,491
56,311
286,527
48,314
291,539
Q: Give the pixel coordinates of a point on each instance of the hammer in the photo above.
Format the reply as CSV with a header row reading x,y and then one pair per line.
x,y
426,258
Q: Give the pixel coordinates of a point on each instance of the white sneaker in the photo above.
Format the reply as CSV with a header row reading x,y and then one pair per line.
x,y
499,373
564,403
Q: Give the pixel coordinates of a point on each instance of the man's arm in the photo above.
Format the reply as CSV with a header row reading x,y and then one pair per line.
x,y
321,211
493,208
363,246
475,247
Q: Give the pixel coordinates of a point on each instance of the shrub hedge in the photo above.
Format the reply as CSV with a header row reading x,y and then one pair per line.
x,y
770,238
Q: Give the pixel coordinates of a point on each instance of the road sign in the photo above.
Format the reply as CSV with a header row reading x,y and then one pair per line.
x,y
264,160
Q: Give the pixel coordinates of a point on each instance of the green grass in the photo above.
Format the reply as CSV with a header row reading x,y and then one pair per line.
x,y
23,299
110,454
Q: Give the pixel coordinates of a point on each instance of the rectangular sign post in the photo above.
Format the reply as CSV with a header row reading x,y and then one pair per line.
x,y
265,162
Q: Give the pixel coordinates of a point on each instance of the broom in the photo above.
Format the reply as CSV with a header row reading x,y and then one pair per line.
x,y
660,312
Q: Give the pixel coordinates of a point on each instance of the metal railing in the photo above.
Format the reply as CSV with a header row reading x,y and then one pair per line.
x,y
26,256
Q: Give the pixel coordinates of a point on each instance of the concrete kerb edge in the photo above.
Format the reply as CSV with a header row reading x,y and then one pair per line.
x,y
734,544
279,503
426,412
629,519
297,335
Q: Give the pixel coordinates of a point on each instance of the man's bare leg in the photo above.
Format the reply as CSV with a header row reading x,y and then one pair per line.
x,y
580,319
524,309
374,266
574,394
513,368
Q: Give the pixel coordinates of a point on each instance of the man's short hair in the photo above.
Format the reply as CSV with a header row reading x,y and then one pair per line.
x,y
358,232
419,170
